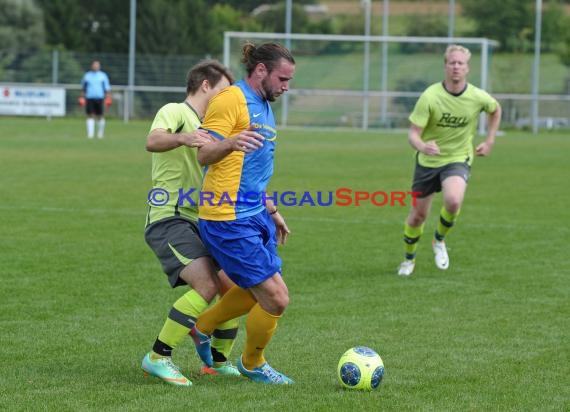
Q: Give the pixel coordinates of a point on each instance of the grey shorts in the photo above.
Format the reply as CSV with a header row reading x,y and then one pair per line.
x,y
175,242
427,180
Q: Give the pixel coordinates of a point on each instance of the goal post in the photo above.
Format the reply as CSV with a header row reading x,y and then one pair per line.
x,y
340,82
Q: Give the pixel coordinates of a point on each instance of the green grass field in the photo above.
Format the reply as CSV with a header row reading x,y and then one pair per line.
x,y
83,297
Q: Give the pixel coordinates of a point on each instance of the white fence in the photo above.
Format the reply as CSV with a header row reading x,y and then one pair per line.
x,y
343,107
328,90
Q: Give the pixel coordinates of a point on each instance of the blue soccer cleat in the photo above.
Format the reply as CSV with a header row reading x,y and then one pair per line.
x,y
203,347
264,374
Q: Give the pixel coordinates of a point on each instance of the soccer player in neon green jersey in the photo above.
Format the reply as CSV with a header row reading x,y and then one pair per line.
x,y
443,124
171,229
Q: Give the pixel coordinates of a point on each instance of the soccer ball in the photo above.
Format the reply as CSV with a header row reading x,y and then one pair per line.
x,y
360,368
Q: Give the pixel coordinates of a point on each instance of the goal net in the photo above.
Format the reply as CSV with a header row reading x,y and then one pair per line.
x,y
359,81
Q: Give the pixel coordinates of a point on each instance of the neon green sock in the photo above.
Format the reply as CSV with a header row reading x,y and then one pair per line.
x,y
156,356
446,222
223,340
181,318
411,237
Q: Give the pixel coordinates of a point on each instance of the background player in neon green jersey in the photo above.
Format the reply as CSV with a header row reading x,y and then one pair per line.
x,y
443,124
171,229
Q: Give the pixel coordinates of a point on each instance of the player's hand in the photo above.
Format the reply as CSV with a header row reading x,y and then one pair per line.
x,y
108,100
81,100
247,141
197,138
484,149
430,148
282,229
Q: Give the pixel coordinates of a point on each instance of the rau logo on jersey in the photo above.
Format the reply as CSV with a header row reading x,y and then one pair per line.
x,y
448,120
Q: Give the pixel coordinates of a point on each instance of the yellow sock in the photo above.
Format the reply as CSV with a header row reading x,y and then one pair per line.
x,y
260,327
446,222
411,237
235,303
181,318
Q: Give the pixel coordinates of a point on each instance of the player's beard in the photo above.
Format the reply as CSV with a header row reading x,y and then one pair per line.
x,y
269,95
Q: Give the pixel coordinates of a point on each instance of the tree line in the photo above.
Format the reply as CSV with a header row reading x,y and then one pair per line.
x,y
182,27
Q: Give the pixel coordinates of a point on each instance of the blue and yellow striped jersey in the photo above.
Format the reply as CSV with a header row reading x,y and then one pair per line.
x,y
236,184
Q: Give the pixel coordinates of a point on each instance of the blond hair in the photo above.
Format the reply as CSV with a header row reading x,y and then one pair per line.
x,y
453,48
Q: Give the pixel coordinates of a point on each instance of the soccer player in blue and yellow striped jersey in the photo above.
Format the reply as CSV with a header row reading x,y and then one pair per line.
x,y
239,226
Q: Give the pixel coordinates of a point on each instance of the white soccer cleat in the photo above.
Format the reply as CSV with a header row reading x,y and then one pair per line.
x,y
406,267
441,258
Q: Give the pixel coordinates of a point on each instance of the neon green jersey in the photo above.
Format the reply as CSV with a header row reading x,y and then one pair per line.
x,y
176,169
451,121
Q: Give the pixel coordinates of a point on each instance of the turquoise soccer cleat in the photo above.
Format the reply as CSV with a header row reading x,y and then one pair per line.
x,y
164,369
221,368
264,374
203,347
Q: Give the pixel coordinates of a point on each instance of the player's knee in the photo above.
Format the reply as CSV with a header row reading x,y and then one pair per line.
x,y
205,287
281,303
417,218
209,291
276,302
453,205
200,276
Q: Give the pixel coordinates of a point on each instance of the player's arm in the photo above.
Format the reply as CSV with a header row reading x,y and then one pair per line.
x,y
493,121
420,116
282,229
83,85
108,100
81,99
226,116
162,140
415,139
214,151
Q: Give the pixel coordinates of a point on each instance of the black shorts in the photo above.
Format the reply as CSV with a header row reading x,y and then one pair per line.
x,y
175,242
427,180
94,106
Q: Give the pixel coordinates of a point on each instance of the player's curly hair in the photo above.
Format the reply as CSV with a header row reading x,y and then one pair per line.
x,y
268,54
208,69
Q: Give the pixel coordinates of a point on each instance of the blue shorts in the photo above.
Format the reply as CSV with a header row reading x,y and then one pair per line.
x,y
245,248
